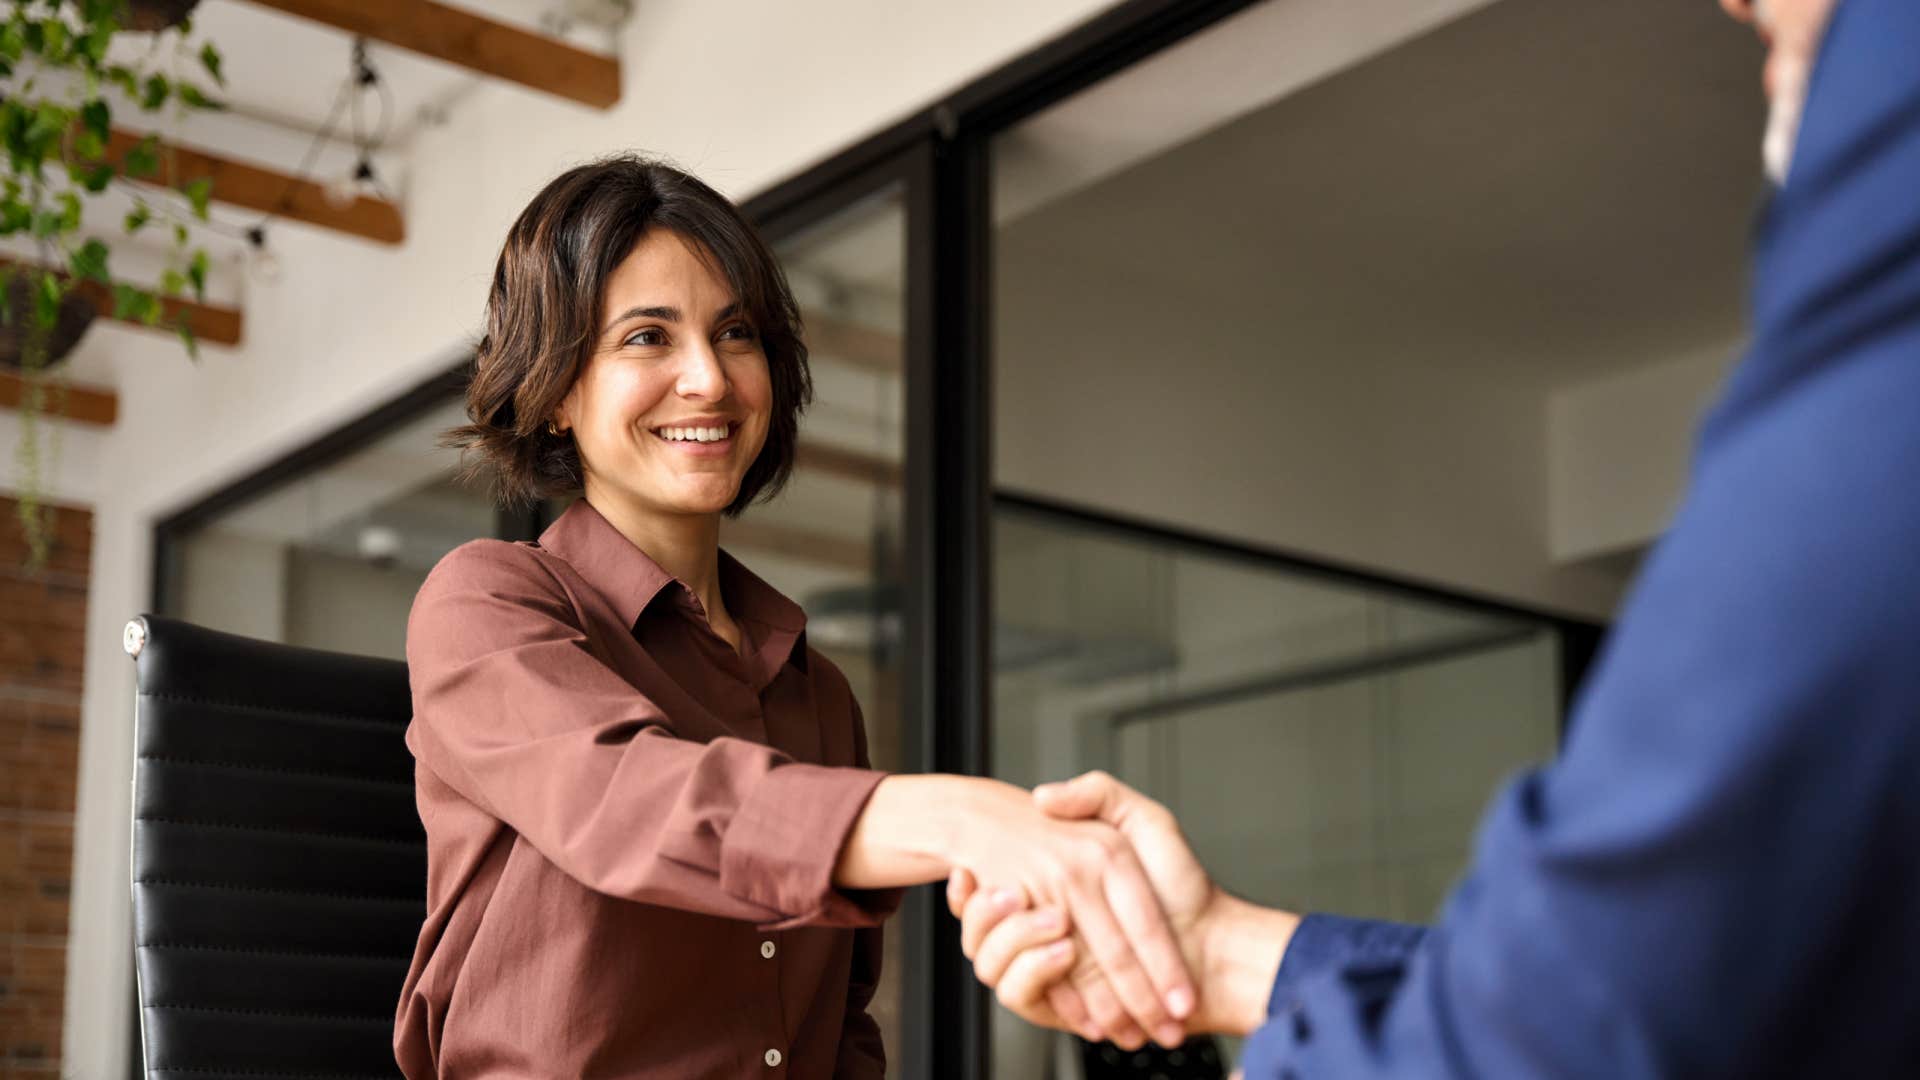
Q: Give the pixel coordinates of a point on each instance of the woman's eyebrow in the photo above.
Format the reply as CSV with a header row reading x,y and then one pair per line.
x,y
665,314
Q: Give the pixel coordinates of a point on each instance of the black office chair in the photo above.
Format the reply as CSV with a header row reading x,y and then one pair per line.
x,y
279,867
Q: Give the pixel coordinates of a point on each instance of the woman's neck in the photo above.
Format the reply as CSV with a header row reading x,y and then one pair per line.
x,y
685,546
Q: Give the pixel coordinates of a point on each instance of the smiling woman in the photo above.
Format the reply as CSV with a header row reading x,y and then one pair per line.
x,y
646,245
655,845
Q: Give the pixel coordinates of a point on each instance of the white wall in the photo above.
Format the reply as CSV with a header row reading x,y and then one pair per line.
x,y
1340,323
236,582
1617,452
1195,414
346,605
71,459
745,93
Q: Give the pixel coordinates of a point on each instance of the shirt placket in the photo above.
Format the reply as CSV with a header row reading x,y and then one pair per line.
x,y
748,715
768,959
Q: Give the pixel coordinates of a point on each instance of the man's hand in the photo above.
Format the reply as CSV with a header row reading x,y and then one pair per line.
x,y
1031,987
1233,947
1084,868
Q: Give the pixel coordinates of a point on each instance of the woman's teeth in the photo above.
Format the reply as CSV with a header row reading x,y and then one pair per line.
x,y
692,434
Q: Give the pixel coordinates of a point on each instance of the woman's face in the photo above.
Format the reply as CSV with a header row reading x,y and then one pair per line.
x,y
673,404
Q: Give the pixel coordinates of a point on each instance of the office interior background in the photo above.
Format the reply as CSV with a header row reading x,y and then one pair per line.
x,y
1266,402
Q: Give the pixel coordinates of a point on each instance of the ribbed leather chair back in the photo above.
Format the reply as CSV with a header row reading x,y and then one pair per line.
x,y
279,867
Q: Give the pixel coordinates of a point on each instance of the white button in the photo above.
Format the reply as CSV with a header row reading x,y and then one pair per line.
x,y
773,1058
766,949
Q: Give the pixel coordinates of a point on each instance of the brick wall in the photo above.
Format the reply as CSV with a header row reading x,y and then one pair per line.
x,y
42,624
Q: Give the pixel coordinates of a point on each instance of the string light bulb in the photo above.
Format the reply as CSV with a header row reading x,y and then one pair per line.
x,y
341,190
261,261
347,187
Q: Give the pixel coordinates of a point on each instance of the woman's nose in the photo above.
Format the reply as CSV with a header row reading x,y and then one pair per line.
x,y
701,375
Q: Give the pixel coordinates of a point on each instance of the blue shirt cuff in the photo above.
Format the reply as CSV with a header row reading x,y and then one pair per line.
x,y
1323,942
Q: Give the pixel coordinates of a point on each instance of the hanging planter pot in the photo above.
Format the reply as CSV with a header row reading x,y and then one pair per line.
x,y
76,314
152,16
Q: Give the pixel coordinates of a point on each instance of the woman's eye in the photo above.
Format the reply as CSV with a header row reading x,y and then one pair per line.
x,y
649,336
737,332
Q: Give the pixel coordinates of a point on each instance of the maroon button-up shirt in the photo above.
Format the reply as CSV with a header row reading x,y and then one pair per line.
x,y
631,828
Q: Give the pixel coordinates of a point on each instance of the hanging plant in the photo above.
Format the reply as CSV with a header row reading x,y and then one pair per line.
x,y
59,92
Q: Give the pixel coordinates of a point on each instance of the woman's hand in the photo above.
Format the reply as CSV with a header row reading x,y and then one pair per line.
x,y
1084,869
1232,946
1183,892
1026,955
1088,870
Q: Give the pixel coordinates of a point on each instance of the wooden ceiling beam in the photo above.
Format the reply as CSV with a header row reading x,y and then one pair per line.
x,y
83,404
250,186
209,322
471,41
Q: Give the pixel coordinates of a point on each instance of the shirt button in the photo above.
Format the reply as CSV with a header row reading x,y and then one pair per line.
x,y
766,949
773,1059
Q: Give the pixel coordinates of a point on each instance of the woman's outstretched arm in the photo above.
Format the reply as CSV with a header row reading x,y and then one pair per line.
x,y
917,829
515,710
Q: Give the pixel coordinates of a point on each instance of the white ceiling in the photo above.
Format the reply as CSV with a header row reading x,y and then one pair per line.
x,y
1541,191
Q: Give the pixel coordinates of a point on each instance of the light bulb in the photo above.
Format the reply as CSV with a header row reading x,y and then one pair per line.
x,y
379,544
342,189
264,265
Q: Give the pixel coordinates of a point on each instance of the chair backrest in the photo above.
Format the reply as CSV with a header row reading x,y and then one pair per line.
x,y
279,866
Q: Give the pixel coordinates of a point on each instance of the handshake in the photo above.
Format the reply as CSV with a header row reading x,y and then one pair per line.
x,y
1095,917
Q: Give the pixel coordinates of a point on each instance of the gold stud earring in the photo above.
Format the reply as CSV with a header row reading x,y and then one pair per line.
x,y
552,428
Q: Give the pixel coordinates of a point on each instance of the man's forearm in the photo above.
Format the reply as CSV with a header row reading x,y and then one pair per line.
x,y
1241,948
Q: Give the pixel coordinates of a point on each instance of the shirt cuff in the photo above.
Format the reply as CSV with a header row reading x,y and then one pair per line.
x,y
1322,942
783,843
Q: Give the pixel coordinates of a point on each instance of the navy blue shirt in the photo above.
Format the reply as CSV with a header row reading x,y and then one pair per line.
x,y
1720,877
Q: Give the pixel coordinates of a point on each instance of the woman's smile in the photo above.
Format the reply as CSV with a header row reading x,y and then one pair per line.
x,y
700,438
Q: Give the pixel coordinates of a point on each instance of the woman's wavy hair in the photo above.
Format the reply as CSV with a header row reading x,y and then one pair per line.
x,y
544,308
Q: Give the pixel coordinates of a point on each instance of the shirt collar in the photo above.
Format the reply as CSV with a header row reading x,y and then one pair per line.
x,y
630,579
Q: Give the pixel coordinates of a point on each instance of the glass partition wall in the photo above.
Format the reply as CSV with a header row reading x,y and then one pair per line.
x,y
1312,277
1327,743
834,539
329,557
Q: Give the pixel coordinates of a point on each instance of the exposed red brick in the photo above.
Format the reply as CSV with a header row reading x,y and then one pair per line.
x,y
42,651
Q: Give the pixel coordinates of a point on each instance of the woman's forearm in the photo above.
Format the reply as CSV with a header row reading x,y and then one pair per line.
x,y
914,829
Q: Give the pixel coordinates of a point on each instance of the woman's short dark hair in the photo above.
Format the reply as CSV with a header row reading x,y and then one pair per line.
x,y
543,314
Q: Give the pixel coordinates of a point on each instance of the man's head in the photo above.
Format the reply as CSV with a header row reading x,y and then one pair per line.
x,y
1793,30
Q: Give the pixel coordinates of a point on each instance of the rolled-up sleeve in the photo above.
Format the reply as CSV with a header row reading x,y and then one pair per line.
x,y
513,709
